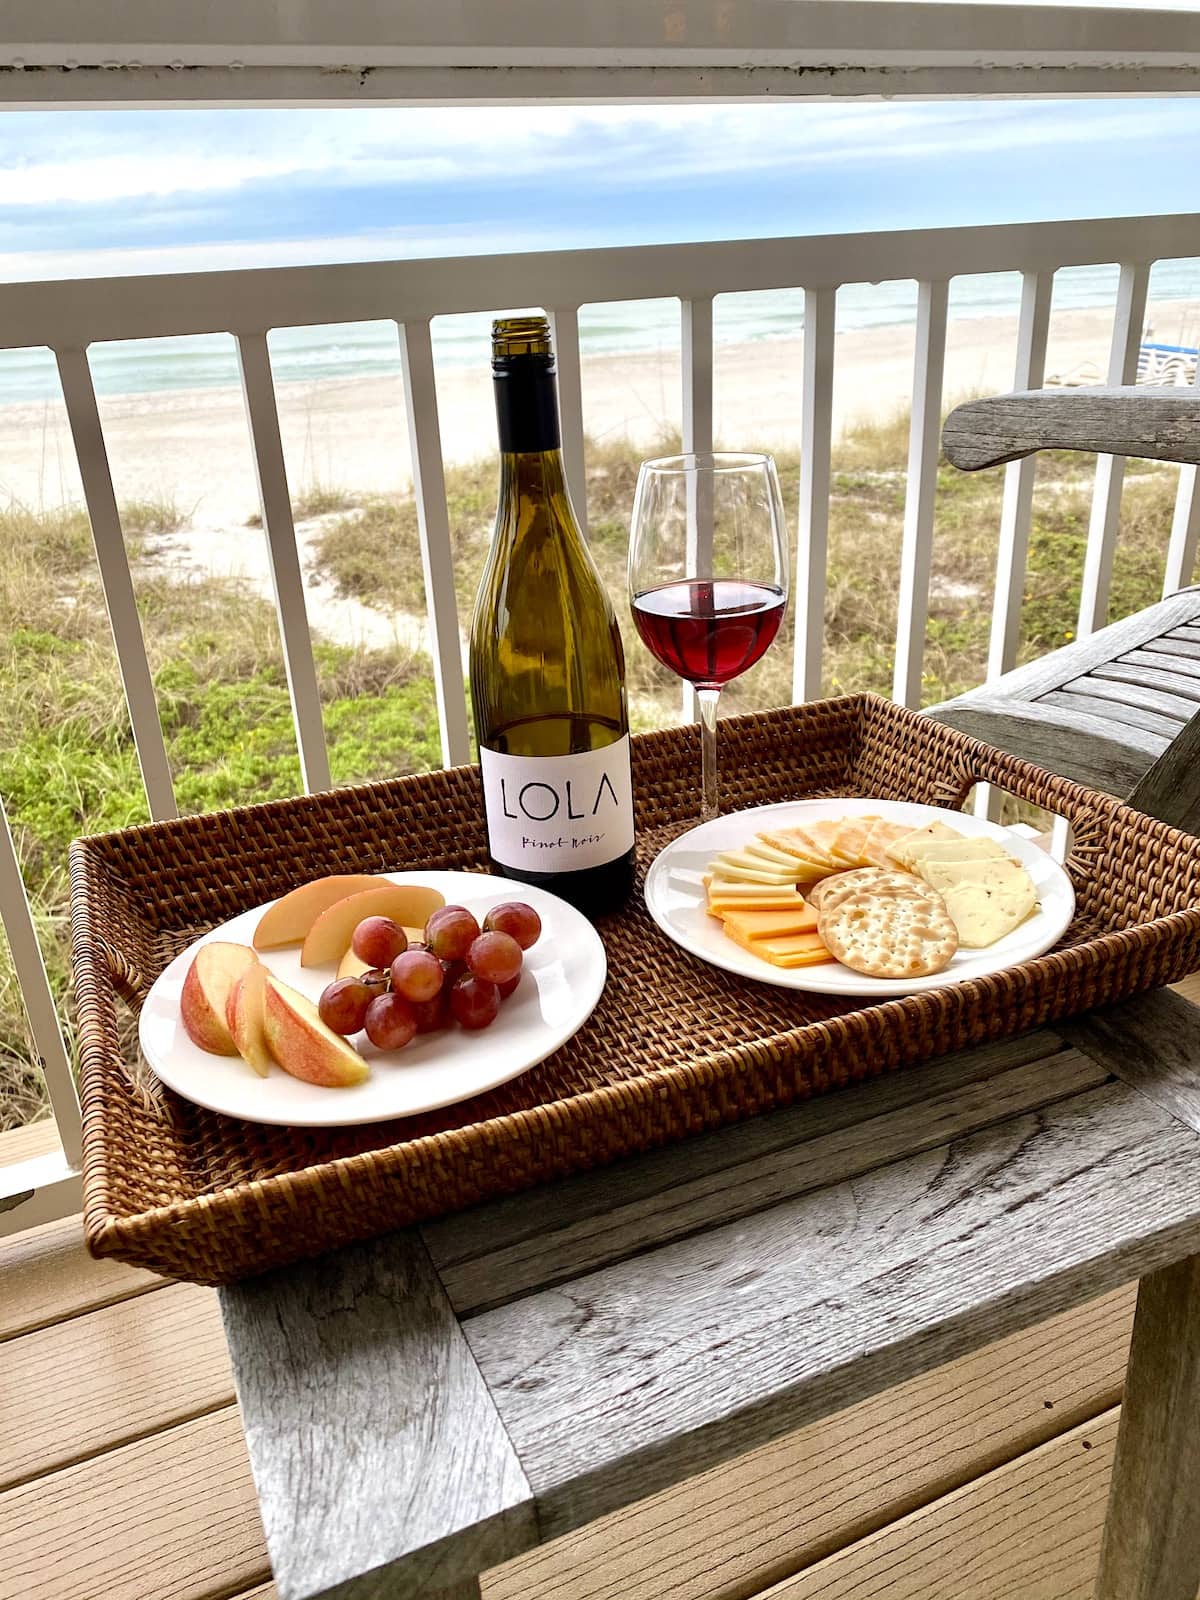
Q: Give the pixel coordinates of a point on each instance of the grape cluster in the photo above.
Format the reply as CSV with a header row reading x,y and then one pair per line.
x,y
458,972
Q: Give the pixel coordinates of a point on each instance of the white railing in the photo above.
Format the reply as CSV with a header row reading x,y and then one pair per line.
x,y
67,317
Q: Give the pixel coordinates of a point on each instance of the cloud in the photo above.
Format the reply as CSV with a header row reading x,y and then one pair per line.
x,y
127,191
126,155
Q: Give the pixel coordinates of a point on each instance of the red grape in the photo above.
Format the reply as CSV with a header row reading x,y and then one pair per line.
x,y
378,940
495,957
390,1021
519,921
507,988
474,1002
377,979
450,931
417,975
432,1014
343,1005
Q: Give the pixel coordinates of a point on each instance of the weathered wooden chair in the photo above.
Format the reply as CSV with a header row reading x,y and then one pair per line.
x,y
1106,707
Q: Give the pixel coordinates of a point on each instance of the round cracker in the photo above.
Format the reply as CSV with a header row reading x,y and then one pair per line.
x,y
890,936
879,880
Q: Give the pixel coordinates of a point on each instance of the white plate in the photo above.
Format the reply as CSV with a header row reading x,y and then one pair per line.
x,y
562,980
675,898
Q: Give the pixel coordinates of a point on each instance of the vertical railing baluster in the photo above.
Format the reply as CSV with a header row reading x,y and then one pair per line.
x,y
1185,527
83,415
696,365
812,544
1016,512
37,998
916,550
564,328
1105,520
262,415
433,521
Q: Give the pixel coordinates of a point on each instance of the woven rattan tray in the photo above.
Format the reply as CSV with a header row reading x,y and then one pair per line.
x,y
675,1046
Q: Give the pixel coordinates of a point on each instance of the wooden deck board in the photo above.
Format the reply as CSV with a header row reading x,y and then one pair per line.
x,y
25,1144
48,1276
1028,1531
125,1371
172,1517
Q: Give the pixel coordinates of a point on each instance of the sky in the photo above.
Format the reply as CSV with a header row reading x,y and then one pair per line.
x,y
86,193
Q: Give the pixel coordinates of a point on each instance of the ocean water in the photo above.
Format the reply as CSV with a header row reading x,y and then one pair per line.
x,y
354,349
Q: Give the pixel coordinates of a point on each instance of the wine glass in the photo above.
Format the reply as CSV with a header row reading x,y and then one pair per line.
x,y
708,561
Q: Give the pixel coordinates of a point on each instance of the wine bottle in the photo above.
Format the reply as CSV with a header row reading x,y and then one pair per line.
x,y
547,667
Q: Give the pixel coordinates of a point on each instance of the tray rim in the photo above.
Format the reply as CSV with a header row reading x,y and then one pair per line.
x,y
123,1234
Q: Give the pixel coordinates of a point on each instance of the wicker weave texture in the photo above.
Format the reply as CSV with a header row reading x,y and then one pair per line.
x,y
674,1047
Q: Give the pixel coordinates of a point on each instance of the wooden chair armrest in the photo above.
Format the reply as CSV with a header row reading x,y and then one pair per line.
x,y
1129,421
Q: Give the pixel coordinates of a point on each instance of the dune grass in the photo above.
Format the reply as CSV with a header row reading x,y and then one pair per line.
x,y
371,553
67,760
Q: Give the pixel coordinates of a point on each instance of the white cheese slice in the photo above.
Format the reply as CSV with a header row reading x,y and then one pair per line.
x,y
995,873
984,913
722,888
768,853
933,830
737,865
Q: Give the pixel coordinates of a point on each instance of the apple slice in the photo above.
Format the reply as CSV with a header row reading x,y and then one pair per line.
x,y
301,1043
211,976
244,1015
352,966
289,919
409,904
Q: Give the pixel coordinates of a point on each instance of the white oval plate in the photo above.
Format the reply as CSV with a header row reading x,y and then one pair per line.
x,y
561,983
675,898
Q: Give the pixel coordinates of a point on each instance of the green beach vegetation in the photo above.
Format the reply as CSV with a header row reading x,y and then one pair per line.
x,y
67,760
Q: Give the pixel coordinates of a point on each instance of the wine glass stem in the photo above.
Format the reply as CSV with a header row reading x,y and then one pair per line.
x,y
706,700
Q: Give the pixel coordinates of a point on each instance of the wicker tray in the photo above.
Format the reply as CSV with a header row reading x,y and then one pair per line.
x,y
675,1046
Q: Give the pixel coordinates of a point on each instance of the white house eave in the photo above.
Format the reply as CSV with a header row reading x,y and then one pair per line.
x,y
175,51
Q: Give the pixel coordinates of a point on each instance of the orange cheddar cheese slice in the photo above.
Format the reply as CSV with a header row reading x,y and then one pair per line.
x,y
792,950
822,834
770,924
848,841
882,835
722,905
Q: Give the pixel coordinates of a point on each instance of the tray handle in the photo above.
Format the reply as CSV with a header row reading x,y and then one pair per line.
x,y
1085,842
129,981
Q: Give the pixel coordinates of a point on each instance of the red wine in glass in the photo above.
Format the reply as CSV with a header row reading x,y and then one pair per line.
x,y
709,631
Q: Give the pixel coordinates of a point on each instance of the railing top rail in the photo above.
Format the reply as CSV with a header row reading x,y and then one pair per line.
x,y
71,313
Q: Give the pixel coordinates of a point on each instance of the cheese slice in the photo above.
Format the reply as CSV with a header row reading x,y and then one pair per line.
x,y
882,834
942,875
752,896
849,839
746,869
754,925
759,851
791,950
933,830
796,842
975,849
983,913
823,834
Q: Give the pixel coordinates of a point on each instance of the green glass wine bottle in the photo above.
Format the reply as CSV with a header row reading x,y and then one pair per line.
x,y
547,666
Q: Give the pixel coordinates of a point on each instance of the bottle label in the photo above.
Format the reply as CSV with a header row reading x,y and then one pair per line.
x,y
559,813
